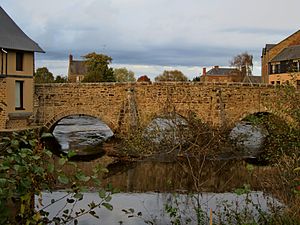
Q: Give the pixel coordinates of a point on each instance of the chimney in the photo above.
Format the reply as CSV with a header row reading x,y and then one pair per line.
x,y
203,71
70,58
216,67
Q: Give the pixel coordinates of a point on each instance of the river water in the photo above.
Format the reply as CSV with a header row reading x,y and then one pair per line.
x,y
148,186
78,132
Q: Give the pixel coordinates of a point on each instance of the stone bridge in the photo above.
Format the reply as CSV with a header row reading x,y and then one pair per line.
x,y
125,105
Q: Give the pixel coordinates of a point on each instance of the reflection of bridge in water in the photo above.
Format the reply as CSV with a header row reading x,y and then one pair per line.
x,y
195,174
125,105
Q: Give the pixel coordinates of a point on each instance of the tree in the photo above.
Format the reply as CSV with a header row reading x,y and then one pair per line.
x,y
243,62
43,75
61,79
98,69
171,75
196,79
143,78
123,75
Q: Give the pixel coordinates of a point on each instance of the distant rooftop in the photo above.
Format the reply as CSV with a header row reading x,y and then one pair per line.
x,y
76,67
12,37
289,53
221,71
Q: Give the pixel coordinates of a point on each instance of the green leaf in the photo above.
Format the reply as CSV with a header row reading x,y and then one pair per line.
x,y
108,206
62,161
47,135
250,167
38,170
3,181
81,177
102,194
50,168
79,196
32,142
36,157
15,143
5,139
131,210
108,198
63,179
71,153
48,153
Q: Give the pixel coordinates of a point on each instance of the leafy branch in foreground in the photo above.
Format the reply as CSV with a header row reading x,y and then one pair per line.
x,y
27,169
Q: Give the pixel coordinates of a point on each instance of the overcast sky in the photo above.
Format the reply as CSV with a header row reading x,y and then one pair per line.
x,y
148,36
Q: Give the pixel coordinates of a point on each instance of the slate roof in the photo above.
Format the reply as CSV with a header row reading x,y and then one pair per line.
x,y
289,53
269,46
77,67
12,37
222,71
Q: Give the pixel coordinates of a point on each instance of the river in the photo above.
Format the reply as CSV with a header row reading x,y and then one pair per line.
x,y
148,186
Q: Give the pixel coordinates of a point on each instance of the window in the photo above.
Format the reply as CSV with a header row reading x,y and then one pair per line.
x,y
277,82
272,82
19,95
277,68
19,61
273,69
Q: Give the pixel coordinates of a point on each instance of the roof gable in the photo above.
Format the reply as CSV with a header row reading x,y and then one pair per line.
x,y
222,71
289,53
12,37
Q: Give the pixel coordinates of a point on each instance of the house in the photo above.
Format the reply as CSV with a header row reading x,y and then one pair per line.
x,y
221,74
76,70
280,62
16,74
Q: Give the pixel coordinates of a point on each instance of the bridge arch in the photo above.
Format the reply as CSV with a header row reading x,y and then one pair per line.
x,y
280,116
51,123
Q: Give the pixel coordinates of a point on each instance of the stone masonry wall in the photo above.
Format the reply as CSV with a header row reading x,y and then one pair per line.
x,y
121,105
3,104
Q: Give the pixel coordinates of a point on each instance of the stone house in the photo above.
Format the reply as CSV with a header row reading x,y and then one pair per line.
x,y
16,74
221,74
280,63
76,70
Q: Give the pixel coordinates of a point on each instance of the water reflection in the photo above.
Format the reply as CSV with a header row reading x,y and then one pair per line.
x,y
198,175
78,132
152,205
248,138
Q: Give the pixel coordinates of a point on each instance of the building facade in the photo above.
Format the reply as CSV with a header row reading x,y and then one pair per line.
x,y
76,70
280,63
16,74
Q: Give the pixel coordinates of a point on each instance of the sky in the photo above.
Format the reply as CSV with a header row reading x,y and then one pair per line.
x,y
150,36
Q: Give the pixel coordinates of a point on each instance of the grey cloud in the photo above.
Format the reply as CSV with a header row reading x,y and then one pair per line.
x,y
156,32
257,31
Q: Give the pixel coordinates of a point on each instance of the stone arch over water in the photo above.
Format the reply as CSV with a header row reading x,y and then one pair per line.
x,y
51,123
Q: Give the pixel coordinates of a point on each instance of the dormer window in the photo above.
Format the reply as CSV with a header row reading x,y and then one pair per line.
x,y
19,61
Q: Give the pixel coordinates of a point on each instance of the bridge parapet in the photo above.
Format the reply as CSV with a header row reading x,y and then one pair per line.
x,y
123,105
